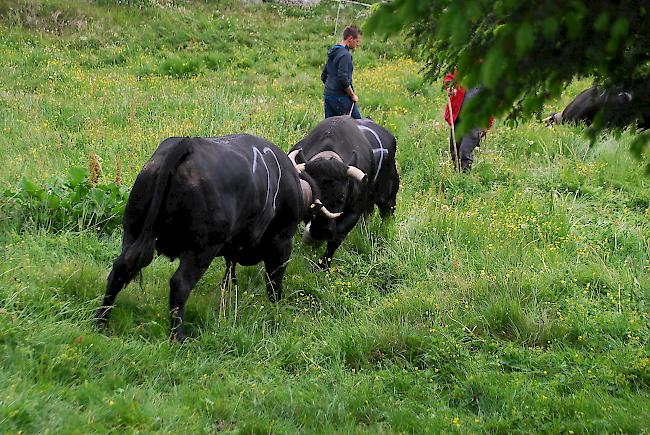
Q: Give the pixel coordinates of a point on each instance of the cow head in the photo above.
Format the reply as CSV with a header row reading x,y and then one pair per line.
x,y
552,119
334,185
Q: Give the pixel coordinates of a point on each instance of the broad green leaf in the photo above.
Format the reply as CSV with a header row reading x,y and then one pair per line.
x,y
76,176
98,196
53,201
28,187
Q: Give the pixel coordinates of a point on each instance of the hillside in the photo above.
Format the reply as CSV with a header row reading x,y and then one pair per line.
x,y
512,299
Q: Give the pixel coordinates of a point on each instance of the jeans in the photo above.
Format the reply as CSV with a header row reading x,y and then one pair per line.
x,y
467,143
336,105
466,146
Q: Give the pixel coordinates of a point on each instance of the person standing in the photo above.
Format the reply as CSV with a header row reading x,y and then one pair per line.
x,y
339,92
465,145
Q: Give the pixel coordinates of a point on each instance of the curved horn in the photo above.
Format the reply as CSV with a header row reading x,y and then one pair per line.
x,y
326,212
306,192
292,156
356,173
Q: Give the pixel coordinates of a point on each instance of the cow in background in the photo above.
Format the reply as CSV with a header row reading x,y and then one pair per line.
x,y
615,105
349,165
235,196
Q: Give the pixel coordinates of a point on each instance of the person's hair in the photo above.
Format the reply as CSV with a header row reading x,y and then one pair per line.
x,y
353,31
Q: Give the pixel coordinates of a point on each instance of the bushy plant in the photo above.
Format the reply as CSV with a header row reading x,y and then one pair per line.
x,y
72,203
181,66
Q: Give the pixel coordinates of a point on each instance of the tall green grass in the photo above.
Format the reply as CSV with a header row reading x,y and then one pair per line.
x,y
512,299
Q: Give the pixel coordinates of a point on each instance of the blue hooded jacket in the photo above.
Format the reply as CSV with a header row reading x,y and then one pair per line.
x,y
337,72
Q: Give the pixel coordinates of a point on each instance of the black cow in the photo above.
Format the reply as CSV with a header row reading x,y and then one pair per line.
x,y
349,166
613,105
235,196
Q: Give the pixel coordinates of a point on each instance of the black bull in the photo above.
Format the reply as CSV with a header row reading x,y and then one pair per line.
x,y
350,166
616,107
235,196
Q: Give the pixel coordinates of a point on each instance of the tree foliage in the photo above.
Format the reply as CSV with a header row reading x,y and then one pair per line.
x,y
524,53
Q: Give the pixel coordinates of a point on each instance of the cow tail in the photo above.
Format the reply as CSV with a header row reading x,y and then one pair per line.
x,y
140,253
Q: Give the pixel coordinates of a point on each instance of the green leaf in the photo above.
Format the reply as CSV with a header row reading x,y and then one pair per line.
x,y
53,201
640,143
492,68
550,27
98,197
76,176
618,32
602,22
28,187
620,28
525,39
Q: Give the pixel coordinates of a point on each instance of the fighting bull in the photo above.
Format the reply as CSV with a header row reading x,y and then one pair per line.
x,y
234,196
347,167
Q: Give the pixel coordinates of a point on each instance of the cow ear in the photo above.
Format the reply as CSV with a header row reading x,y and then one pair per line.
x,y
353,161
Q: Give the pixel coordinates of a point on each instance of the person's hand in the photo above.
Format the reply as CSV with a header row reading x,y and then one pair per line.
x,y
355,98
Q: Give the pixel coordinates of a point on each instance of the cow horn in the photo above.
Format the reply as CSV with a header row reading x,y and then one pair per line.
x,y
356,173
306,192
326,212
292,156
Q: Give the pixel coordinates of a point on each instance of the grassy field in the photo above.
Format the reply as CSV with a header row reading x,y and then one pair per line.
x,y
513,299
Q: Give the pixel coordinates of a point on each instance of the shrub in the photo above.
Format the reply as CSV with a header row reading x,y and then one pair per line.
x,y
180,67
71,203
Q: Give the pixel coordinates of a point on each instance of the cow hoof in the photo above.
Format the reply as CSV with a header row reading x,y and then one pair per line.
x,y
177,337
274,297
325,264
101,318
387,214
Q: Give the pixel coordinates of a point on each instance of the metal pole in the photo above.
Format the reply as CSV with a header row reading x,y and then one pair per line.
x,y
336,24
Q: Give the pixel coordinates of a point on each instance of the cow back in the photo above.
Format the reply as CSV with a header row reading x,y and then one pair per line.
x,y
231,189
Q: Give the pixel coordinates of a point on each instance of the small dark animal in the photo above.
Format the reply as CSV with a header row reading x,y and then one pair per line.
x,y
349,165
235,196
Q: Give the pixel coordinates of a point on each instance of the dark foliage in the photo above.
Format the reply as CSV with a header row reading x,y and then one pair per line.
x,y
524,53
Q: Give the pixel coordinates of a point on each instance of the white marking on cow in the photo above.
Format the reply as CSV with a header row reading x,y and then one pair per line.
x,y
267,150
306,235
381,151
628,95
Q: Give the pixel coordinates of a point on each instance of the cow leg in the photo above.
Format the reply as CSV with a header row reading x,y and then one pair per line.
x,y
326,260
121,274
387,202
343,227
276,265
190,270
